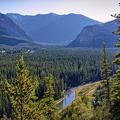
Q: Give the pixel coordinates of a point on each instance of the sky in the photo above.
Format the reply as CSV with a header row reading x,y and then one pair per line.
x,y
100,10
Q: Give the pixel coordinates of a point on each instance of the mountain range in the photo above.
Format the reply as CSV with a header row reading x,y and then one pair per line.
x,y
11,33
52,28
95,35
57,29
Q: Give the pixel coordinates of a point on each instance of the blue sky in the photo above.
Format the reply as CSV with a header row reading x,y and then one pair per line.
x,y
95,9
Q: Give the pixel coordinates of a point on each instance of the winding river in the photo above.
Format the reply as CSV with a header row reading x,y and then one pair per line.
x,y
69,97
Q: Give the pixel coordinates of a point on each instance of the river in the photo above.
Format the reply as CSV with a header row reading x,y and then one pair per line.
x,y
69,97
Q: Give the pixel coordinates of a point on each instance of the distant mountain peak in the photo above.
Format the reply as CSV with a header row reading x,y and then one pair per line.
x,y
54,14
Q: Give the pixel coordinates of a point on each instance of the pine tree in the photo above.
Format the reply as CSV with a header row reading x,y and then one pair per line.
x,y
5,106
2,98
105,83
48,103
106,79
22,93
115,108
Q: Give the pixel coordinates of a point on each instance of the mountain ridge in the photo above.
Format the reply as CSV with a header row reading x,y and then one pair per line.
x,y
52,28
10,32
95,35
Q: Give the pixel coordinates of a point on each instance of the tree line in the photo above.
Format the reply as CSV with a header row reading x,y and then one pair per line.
x,y
69,67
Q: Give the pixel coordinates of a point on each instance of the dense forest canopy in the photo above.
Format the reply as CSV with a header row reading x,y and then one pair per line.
x,y
69,67
30,82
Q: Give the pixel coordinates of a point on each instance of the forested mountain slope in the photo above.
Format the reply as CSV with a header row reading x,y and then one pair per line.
x,y
11,33
95,35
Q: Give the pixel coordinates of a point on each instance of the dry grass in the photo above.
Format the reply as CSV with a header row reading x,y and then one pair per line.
x,y
87,90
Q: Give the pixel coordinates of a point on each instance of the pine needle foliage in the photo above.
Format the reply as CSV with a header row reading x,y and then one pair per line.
x,y
106,79
105,84
115,108
48,103
22,93
5,107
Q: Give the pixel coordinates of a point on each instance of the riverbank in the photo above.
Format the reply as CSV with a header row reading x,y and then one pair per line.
x,y
87,91
74,92
68,98
58,101
61,99
72,89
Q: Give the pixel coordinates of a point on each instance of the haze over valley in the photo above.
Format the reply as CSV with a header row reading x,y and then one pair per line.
x,y
71,30
52,28
59,60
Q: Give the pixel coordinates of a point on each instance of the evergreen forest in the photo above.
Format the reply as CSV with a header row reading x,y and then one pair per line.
x,y
64,67
34,80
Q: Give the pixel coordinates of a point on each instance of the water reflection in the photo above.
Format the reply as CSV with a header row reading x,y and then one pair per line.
x,y
70,96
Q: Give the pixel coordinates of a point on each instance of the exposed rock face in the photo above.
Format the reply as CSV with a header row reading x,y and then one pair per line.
x,y
95,35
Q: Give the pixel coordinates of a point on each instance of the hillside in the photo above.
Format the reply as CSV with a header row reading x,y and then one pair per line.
x,y
11,33
95,35
52,28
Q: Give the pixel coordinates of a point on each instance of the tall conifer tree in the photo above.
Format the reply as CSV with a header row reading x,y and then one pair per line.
x,y
105,83
106,79
48,103
5,107
22,93
115,108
